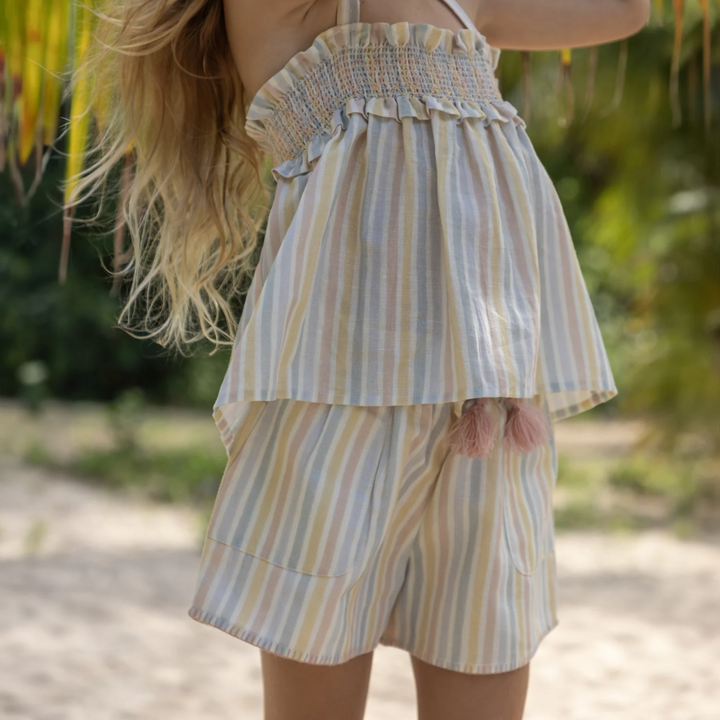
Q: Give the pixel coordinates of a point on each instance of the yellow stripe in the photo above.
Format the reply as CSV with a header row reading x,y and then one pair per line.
x,y
257,582
406,330
483,564
280,458
351,257
335,469
444,187
321,214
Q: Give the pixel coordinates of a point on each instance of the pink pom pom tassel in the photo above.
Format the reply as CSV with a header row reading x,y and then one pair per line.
x,y
526,426
474,432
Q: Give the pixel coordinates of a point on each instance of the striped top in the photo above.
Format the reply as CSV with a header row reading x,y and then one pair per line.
x,y
416,249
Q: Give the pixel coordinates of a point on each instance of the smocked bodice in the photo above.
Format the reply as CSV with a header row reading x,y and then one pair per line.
x,y
405,62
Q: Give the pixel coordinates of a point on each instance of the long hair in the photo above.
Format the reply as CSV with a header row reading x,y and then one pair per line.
x,y
168,97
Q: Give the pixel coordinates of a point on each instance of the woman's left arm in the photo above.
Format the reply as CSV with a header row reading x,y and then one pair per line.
x,y
556,24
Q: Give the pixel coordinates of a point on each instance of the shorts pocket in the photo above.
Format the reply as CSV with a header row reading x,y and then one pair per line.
x,y
308,489
528,483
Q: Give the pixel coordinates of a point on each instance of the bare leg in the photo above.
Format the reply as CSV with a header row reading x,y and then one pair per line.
x,y
301,691
449,695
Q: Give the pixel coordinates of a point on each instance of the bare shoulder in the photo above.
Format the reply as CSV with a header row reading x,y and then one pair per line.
x,y
270,14
263,36
555,24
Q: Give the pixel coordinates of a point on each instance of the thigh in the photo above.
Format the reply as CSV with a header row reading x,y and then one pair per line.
x,y
449,695
301,691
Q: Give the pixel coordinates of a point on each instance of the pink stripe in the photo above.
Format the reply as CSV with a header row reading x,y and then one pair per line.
x,y
303,426
338,238
365,434
393,269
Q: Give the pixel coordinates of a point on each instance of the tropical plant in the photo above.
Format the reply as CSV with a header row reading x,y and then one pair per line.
x,y
634,155
642,198
43,41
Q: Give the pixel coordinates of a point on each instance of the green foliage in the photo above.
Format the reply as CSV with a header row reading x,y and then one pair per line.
x,y
569,474
36,453
189,474
659,476
581,514
124,414
637,491
192,474
67,333
642,200
175,475
33,375
128,445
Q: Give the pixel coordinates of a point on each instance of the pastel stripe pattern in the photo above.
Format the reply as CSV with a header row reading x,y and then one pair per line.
x,y
338,527
416,249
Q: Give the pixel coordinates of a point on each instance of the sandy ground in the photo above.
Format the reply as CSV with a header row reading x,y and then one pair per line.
x,y
94,591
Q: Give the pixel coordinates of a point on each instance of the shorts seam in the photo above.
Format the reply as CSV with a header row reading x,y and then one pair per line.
x,y
263,643
277,565
271,646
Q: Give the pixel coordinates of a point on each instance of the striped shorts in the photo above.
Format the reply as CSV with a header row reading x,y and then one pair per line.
x,y
338,527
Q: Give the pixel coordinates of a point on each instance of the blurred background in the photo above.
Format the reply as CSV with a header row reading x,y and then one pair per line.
x,y
110,461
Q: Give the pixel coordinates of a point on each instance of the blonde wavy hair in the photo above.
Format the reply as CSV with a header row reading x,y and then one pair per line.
x,y
168,93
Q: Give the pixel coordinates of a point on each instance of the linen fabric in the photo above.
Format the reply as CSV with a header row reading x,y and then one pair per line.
x,y
338,527
416,249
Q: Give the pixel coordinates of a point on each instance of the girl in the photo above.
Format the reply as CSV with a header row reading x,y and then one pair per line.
x,y
416,321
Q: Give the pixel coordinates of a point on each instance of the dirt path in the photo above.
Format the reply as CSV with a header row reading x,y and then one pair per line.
x,y
94,592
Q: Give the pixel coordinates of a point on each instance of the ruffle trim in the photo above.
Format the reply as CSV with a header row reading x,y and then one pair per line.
x,y
464,84
396,108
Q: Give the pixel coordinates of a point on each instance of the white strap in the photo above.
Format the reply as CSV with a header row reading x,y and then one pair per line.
x,y
462,15
348,11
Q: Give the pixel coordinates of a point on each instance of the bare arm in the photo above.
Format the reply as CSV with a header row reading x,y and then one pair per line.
x,y
555,24
263,36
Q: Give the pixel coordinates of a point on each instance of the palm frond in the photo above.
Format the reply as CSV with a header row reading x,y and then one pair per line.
x,y
80,116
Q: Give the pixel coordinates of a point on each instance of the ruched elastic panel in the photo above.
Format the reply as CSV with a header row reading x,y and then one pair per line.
x,y
397,108
390,70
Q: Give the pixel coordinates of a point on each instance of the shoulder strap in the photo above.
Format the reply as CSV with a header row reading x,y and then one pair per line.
x,y
348,11
461,14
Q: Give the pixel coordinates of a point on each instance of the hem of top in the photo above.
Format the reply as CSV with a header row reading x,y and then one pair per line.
x,y
263,395
598,397
598,394
275,648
